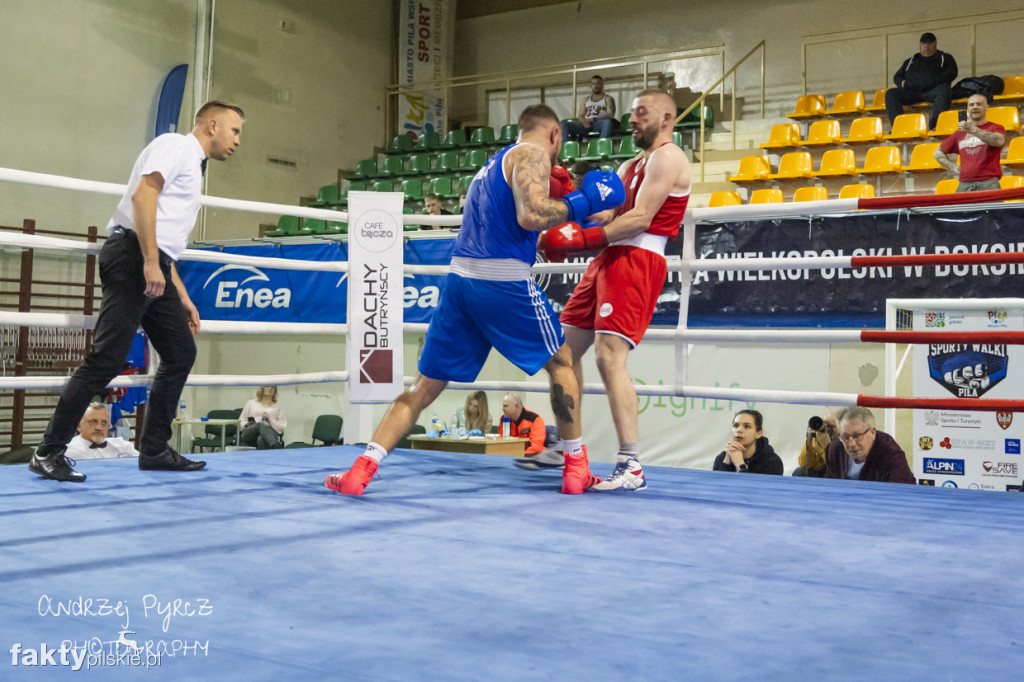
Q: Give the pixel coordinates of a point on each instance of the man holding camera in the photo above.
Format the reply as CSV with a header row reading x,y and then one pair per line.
x,y
979,144
863,453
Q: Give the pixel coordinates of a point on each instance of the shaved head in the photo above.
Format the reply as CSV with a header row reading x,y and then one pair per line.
x,y
652,118
660,101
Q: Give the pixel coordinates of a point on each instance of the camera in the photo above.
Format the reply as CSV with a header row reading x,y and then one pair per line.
x,y
816,423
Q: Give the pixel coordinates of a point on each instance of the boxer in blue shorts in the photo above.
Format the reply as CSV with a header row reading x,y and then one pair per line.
x,y
491,301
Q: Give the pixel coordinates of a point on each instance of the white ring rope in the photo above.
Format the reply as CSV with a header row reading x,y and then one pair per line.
x,y
743,212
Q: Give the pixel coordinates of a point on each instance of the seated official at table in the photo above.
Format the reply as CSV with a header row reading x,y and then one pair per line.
x,y
748,451
262,421
92,441
525,424
863,453
478,417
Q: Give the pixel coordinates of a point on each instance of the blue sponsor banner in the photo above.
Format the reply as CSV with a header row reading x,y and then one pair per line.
x,y
244,293
949,467
1013,446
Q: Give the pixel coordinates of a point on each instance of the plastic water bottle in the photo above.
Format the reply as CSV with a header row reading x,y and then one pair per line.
x,y
182,410
462,418
506,427
454,425
435,423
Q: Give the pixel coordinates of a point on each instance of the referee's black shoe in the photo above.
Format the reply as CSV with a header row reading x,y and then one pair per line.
x,y
55,466
168,460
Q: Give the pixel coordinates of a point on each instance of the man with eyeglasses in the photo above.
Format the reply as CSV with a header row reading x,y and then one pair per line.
x,y
862,452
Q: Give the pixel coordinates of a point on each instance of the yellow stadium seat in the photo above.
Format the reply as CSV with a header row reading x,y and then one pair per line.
x,y
867,130
1015,153
766,196
1008,117
1013,88
810,194
783,136
947,186
881,160
857,192
1011,182
823,134
836,163
809,106
794,165
946,125
922,159
909,127
878,103
851,102
724,199
752,169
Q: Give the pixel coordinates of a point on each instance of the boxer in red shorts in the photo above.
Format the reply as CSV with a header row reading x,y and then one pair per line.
x,y
612,305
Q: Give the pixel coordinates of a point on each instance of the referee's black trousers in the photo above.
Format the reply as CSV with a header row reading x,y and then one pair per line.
x,y
124,308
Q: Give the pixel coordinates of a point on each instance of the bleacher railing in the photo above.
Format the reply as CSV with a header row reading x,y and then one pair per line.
x,y
721,82
548,76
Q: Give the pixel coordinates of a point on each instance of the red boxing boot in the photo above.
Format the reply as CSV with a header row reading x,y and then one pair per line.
x,y
576,477
355,480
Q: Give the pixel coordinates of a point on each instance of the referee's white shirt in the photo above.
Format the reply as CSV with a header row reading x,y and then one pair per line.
x,y
178,158
79,448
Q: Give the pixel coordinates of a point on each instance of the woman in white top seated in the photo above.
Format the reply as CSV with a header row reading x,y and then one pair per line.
x,y
262,421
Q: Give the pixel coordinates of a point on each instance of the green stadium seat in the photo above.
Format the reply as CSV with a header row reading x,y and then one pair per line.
x,y
598,149
367,168
400,144
329,195
677,138
509,133
442,187
570,151
417,164
409,210
463,184
383,186
474,160
336,227
288,226
447,162
390,166
627,149
413,189
454,139
428,142
624,126
314,225
482,137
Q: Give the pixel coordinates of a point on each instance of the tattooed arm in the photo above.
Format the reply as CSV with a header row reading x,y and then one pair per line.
x,y
530,171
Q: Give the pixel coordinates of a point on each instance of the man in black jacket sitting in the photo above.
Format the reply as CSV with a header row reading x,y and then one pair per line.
x,y
925,77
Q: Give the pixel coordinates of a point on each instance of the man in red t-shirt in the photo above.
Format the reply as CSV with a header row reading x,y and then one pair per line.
x,y
979,144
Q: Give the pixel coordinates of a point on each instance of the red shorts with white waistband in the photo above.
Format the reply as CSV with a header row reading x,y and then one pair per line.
x,y
618,293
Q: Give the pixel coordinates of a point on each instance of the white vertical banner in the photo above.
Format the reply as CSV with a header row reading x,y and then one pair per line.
x,y
426,32
967,449
375,296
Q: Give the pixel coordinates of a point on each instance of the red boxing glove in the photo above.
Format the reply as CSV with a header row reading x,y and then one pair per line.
x,y
570,238
560,184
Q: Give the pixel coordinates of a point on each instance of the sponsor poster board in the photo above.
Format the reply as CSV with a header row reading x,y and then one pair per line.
x,y
425,45
375,296
966,449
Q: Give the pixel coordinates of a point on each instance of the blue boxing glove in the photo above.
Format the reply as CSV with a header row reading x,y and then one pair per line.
x,y
599,191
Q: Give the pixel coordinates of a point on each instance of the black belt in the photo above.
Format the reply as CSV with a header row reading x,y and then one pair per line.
x,y
120,231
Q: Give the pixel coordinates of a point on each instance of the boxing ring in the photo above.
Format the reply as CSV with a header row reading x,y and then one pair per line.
x,y
461,567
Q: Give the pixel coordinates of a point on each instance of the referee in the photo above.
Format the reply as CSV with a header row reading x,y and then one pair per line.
x,y
147,234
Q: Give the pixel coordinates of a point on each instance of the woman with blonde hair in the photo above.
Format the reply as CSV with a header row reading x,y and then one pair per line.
x,y
262,421
477,415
